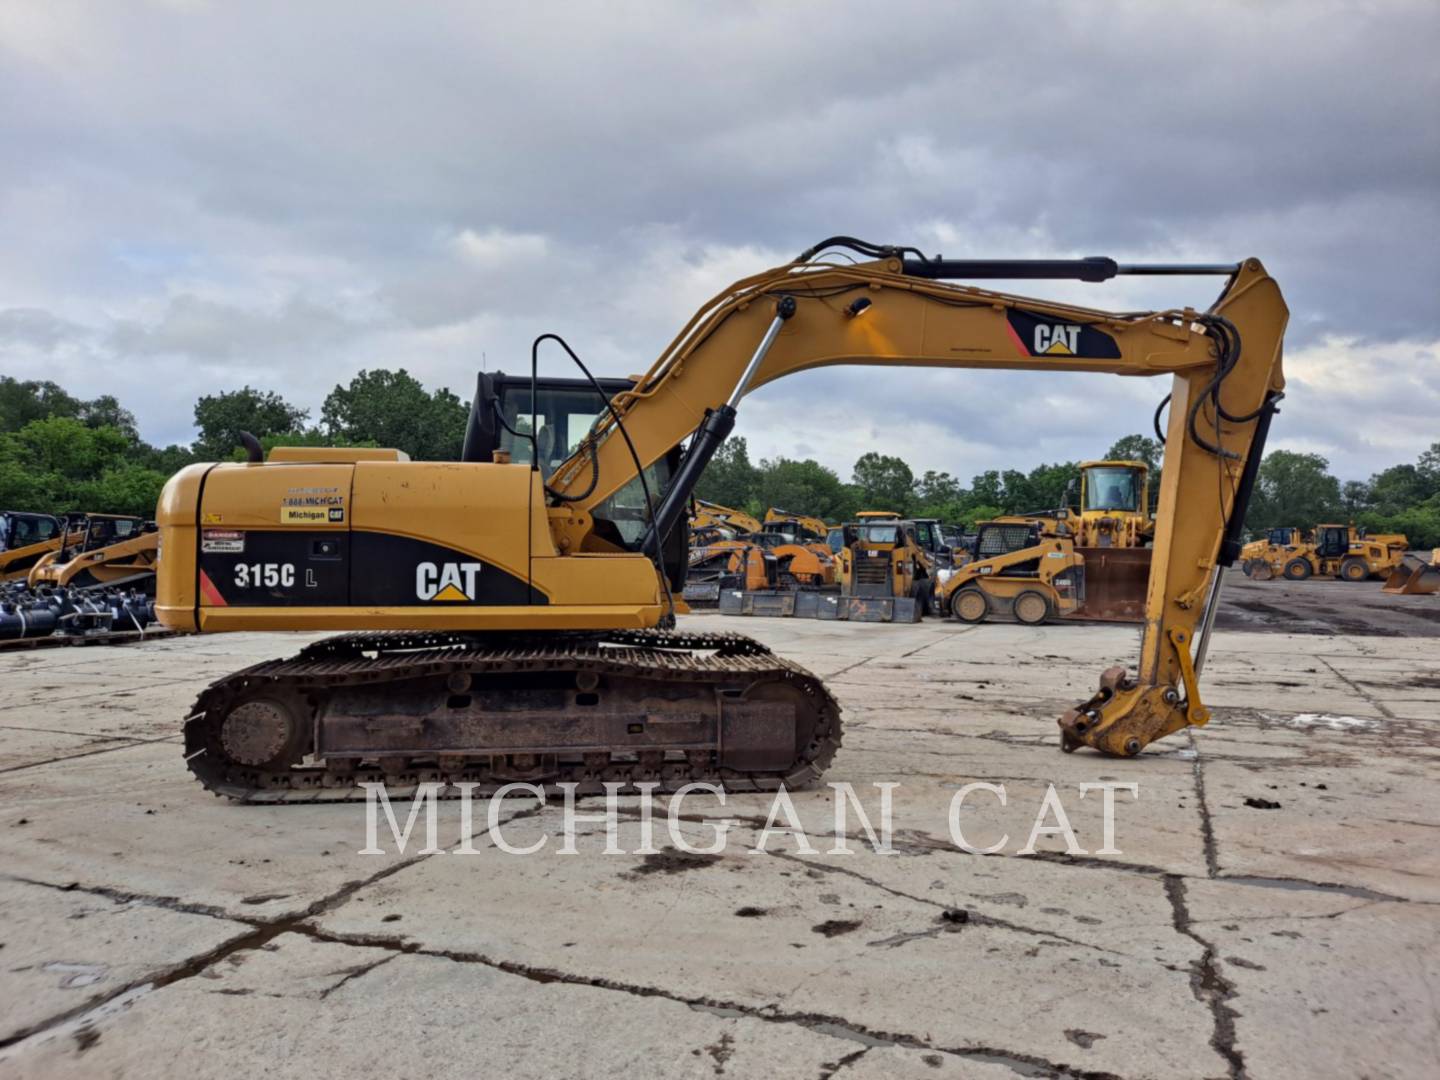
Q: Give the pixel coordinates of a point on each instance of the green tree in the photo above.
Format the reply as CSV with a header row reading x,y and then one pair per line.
x,y
105,411
392,408
121,489
1397,489
68,448
805,487
885,482
58,463
987,489
168,460
730,479
1355,497
1429,467
1293,489
22,402
1137,448
1047,485
222,417
938,489
972,515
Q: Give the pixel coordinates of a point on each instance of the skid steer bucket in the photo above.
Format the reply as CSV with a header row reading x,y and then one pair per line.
x,y
1412,577
1116,580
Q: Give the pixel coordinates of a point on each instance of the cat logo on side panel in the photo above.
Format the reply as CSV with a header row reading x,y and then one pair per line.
x,y
446,581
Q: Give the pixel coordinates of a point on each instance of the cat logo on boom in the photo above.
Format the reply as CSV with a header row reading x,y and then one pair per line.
x,y
1057,339
446,581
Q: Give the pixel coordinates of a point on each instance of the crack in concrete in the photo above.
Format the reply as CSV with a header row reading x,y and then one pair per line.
x,y
356,972
122,896
261,933
92,736
1207,827
129,744
976,918
1379,706
851,667
829,1069
1023,1064
1206,983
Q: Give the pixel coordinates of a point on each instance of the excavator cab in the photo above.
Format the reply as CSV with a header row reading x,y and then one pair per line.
x,y
504,420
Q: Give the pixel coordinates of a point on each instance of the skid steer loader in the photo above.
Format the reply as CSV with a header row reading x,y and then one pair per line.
x,y
1017,570
101,551
24,540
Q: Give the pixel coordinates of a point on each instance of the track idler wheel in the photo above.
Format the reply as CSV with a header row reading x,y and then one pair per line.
x,y
265,730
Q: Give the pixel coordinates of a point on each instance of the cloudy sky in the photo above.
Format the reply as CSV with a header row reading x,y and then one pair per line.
x,y
195,196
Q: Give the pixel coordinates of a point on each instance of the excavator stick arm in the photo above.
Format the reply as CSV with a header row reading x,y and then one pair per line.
x,y
1225,379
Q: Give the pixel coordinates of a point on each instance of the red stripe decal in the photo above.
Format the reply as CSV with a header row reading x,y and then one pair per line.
x,y
210,593
1016,338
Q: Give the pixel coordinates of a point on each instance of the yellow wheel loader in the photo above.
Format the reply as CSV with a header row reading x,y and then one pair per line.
x,y
1341,551
1018,571
501,623
102,551
1113,533
25,539
1262,558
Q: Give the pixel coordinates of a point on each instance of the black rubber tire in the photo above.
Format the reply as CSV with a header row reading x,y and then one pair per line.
x,y
1025,602
1354,569
920,591
970,614
1297,570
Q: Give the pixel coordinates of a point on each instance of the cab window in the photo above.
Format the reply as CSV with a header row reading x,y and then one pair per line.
x,y
1112,488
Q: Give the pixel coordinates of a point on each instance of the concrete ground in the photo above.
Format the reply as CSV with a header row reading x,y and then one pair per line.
x,y
1273,911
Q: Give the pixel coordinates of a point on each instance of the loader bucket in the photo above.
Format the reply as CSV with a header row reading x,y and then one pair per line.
x,y
1412,578
1116,580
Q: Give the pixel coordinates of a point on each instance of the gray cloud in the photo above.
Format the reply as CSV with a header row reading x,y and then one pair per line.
x,y
197,195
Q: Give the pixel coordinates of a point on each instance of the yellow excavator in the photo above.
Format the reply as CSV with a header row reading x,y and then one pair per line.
x,y
505,624
802,528
713,514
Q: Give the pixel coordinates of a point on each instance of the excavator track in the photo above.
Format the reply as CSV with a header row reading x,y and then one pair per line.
x,y
402,708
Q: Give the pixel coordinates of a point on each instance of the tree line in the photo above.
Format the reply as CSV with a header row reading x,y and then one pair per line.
x,y
59,453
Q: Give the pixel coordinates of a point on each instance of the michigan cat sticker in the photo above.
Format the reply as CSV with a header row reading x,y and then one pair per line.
x,y
449,581
1038,335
